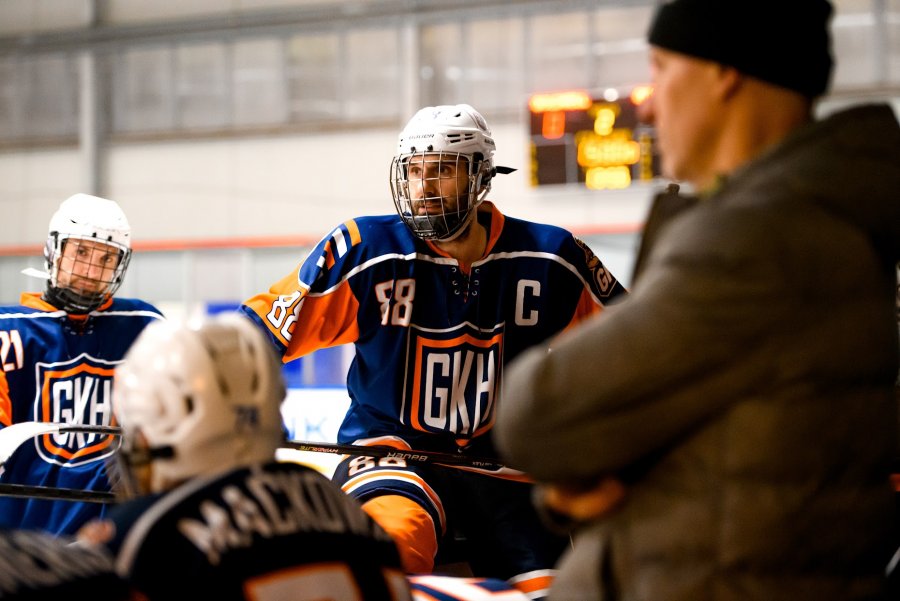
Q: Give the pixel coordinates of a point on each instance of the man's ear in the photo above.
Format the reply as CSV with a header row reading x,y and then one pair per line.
x,y
729,81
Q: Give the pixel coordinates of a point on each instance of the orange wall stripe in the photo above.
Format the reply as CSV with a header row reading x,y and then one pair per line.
x,y
174,245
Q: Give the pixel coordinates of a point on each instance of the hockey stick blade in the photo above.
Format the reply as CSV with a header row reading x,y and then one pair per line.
x,y
432,457
14,436
56,494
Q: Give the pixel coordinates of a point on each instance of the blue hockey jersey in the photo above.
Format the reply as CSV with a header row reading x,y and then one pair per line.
x,y
56,367
431,335
264,531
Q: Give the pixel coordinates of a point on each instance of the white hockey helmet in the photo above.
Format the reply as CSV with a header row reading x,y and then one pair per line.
x,y
86,217
446,133
195,401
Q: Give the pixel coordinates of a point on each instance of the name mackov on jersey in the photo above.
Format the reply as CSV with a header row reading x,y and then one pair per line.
x,y
268,504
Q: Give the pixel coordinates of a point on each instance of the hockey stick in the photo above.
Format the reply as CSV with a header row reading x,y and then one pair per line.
x,y
431,457
59,494
12,437
15,435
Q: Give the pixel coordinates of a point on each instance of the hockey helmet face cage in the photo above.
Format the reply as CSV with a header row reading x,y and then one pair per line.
x,y
87,253
195,401
442,170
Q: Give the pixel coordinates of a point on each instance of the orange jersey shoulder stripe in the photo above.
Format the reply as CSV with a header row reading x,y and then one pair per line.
x,y
327,320
322,320
5,401
587,307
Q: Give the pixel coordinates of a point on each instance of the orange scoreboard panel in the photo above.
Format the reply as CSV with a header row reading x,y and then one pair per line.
x,y
598,142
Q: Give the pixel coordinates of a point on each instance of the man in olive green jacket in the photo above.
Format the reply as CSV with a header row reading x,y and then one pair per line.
x,y
727,432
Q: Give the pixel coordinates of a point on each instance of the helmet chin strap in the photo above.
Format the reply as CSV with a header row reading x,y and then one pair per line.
x,y
73,302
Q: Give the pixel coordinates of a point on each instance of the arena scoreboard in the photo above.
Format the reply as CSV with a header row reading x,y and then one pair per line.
x,y
577,138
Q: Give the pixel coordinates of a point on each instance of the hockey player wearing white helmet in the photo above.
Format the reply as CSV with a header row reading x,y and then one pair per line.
x,y
443,170
59,352
207,511
87,252
436,298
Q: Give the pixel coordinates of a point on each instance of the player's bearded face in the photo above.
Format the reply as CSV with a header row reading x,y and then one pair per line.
x,y
438,183
87,267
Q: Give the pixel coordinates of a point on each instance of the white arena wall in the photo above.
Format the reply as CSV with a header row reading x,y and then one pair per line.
x,y
273,187
201,210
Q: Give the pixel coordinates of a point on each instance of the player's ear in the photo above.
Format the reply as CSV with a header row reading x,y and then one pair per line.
x,y
729,81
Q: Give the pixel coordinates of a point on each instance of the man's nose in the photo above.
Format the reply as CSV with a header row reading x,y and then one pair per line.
x,y
91,268
426,185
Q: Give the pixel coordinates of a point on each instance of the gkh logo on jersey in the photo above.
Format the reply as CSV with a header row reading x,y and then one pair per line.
x,y
75,392
453,379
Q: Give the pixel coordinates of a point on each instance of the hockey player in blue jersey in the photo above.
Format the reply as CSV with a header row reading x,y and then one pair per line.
x,y
437,299
208,512
58,351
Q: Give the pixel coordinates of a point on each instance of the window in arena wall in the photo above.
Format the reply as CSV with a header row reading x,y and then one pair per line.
x,y
558,52
495,74
11,122
142,89
619,49
866,44
892,43
50,104
313,74
442,68
371,75
202,86
258,82
38,96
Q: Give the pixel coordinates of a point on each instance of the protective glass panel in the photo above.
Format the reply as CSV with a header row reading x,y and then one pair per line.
x,y
157,277
619,49
142,90
11,101
216,274
313,72
50,96
201,86
441,70
558,52
258,82
372,74
495,74
13,282
855,38
892,26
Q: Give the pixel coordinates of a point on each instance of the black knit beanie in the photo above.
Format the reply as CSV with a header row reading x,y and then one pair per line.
x,y
784,42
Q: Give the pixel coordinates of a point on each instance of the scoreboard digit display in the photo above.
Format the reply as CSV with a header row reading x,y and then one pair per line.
x,y
598,142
